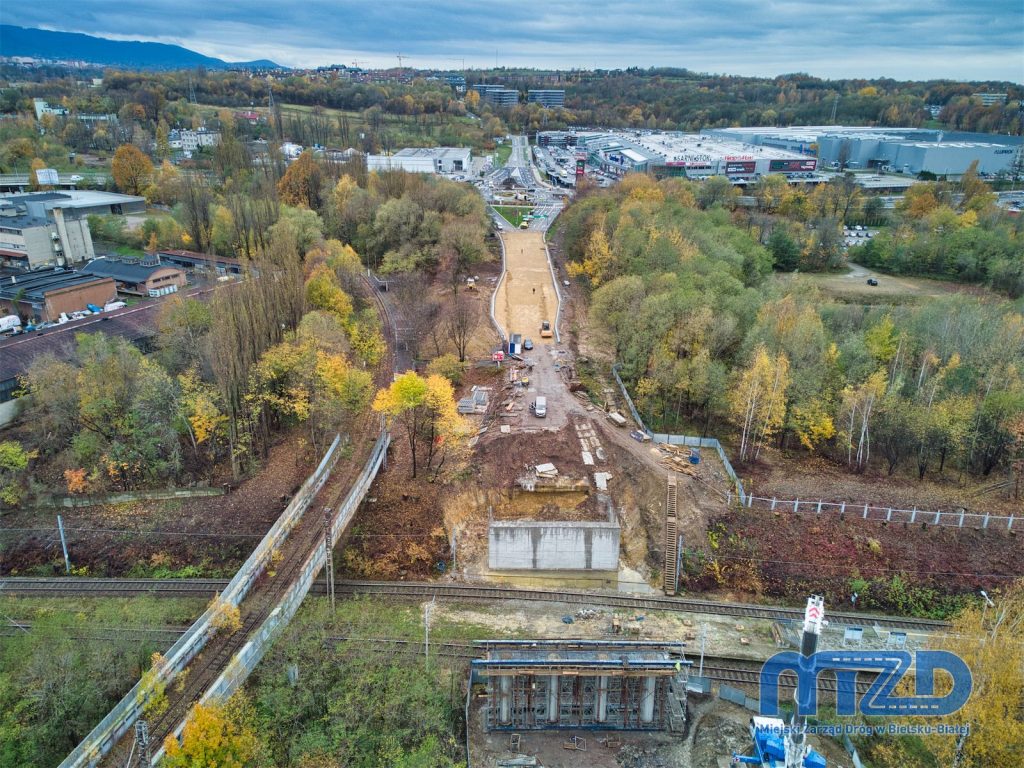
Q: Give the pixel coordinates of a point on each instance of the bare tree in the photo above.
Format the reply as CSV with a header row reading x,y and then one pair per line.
x,y
461,323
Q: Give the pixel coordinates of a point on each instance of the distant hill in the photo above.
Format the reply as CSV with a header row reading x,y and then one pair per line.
x,y
43,44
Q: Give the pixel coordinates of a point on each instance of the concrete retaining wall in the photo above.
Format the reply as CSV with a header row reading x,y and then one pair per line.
x,y
560,546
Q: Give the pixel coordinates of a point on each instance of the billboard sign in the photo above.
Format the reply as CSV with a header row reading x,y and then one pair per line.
x,y
581,165
883,697
47,176
788,166
740,167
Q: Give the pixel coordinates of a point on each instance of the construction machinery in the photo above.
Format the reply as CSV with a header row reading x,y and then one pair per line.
x,y
776,744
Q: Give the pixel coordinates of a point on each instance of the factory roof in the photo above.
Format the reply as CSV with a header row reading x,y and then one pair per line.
x,y
433,152
74,198
126,271
33,286
21,220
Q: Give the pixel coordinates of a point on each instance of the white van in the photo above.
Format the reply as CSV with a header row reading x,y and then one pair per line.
x,y
540,407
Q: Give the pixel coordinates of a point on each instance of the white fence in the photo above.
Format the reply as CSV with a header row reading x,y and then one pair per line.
x,y
122,717
244,662
957,519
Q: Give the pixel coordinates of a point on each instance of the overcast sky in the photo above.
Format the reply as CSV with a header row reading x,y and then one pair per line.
x,y
903,39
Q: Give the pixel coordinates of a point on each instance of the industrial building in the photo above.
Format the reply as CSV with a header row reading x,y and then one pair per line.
x,y
546,97
497,95
148,277
573,684
423,160
678,154
78,203
43,296
30,239
900,150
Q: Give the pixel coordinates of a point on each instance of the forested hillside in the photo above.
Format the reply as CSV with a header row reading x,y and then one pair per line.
x,y
711,344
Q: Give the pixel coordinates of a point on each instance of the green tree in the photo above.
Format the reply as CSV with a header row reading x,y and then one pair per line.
x,y
14,460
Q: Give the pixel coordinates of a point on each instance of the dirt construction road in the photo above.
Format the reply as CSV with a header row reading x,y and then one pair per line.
x,y
526,295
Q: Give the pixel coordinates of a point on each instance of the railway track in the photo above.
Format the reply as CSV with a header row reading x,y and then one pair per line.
x,y
722,669
262,599
60,587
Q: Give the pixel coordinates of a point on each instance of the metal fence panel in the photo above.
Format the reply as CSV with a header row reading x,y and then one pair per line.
x,y
734,695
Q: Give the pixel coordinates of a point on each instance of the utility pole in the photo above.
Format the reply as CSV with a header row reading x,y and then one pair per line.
x,y
328,556
64,544
427,608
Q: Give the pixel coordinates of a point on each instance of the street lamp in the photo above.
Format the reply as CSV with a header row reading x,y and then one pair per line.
x,y
988,604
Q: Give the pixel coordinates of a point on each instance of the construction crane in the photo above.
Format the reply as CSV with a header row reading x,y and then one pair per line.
x,y
400,58
775,744
463,63
357,64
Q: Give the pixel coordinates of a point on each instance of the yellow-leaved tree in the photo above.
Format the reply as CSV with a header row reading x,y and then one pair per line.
x,y
597,257
210,739
988,639
758,401
426,410
131,169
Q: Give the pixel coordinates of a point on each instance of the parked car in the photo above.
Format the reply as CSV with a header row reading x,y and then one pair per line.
x,y
539,407
528,344
872,281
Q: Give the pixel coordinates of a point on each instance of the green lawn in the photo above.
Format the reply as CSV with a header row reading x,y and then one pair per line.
x,y
513,214
503,152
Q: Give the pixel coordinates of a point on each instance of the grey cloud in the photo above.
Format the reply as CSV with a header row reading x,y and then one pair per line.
x,y
901,38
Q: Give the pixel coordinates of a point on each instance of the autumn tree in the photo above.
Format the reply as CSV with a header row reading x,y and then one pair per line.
x,y
209,738
426,410
14,460
987,638
131,169
460,324
323,291
301,183
758,401
598,264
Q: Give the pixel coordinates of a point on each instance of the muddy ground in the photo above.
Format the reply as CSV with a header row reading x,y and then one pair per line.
x,y
799,476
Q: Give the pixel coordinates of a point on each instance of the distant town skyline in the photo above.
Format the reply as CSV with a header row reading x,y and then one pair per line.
x,y
944,39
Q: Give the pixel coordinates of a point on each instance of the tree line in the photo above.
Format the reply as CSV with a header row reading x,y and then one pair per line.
x,y
710,344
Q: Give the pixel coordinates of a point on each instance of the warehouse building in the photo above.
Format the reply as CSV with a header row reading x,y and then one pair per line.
x,y
901,150
78,203
549,98
423,160
148,277
42,296
695,156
